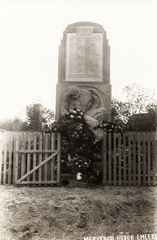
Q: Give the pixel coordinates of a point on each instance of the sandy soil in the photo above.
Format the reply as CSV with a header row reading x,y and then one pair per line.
x,y
76,211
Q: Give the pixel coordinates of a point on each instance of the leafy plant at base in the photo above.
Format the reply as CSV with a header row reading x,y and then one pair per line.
x,y
79,147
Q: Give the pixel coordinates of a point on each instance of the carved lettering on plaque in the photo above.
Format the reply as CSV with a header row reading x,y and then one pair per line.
x,y
84,55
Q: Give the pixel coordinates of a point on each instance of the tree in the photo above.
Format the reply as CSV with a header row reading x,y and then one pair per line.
x,y
47,116
120,111
11,124
37,116
34,116
138,100
7,124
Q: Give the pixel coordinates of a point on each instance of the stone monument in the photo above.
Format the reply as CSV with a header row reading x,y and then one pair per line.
x,y
84,73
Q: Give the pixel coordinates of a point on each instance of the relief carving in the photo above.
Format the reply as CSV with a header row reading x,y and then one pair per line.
x,y
89,102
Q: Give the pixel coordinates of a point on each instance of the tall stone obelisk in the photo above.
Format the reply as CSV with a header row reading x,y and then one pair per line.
x,y
84,62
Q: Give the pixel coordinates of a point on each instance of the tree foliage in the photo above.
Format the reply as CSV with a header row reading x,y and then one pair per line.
x,y
138,100
47,116
120,112
7,124
38,115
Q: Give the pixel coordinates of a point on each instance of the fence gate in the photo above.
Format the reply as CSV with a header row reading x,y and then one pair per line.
x,y
130,159
30,158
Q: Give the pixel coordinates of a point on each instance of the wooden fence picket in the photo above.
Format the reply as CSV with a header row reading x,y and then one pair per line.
x,y
109,159
53,161
149,168
23,163
40,156
14,155
16,158
124,159
10,150
46,155
5,159
114,160
34,154
134,159
129,158
119,160
104,159
139,158
49,163
144,159
28,155
58,157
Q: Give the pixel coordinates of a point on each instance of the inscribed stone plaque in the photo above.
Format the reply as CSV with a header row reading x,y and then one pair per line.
x,y
84,58
84,62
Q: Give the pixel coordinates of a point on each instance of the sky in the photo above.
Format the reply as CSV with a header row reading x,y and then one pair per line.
x,y
31,32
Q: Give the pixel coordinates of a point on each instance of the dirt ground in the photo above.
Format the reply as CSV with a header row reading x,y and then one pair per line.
x,y
76,211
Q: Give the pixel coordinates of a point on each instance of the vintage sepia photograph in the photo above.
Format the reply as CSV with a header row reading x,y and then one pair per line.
x,y
78,120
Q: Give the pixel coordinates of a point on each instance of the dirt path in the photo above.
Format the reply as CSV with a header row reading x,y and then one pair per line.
x,y
74,213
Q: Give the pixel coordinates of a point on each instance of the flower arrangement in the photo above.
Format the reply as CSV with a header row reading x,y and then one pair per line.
x,y
74,114
110,127
79,147
78,163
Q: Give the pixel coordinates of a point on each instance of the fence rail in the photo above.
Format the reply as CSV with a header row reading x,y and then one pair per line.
x,y
34,158
129,159
29,158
